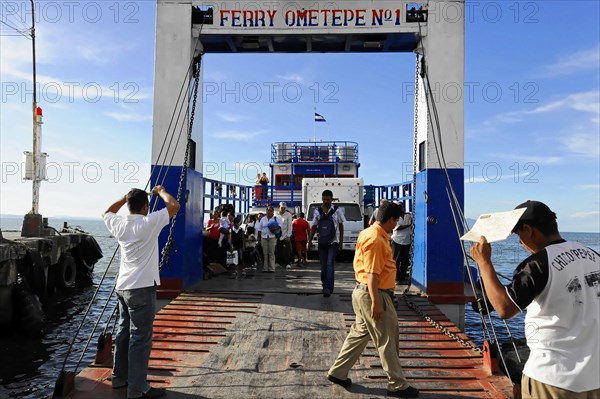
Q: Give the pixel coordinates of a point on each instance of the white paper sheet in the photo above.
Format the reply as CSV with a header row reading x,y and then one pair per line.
x,y
494,226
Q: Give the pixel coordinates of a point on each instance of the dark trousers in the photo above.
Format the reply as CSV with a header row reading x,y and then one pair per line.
x,y
401,256
282,252
327,254
216,253
212,250
264,191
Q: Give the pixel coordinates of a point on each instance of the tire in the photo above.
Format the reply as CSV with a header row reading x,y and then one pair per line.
x,y
31,315
6,304
38,274
85,270
90,250
66,272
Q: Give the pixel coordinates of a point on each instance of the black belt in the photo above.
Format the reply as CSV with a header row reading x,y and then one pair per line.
x,y
365,287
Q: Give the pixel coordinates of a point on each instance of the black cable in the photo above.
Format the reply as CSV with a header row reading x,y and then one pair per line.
x,y
117,248
20,32
184,84
450,190
87,312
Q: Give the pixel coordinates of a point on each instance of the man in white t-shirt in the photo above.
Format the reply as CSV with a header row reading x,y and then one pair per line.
x,y
137,234
401,239
558,284
284,244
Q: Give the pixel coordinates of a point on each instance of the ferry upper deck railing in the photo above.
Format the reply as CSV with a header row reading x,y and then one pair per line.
x,y
310,151
218,193
401,192
243,197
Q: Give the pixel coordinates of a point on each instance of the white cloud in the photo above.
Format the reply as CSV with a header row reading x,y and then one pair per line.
x,y
574,63
101,55
585,215
588,102
528,158
293,77
128,116
237,135
231,117
494,179
588,186
80,156
16,64
213,76
585,144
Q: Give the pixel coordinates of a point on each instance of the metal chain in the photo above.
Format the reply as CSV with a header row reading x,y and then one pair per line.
x,y
166,251
437,325
411,251
408,301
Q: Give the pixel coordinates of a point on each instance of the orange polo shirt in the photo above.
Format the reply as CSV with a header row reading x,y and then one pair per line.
x,y
373,254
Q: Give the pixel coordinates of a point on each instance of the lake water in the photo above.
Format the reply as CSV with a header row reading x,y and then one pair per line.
x,y
30,365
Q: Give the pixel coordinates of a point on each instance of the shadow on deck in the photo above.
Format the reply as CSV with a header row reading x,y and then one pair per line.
x,y
275,336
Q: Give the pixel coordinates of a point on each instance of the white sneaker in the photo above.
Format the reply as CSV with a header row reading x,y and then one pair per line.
x,y
288,267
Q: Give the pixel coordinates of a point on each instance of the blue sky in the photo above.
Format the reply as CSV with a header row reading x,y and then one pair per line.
x,y
532,113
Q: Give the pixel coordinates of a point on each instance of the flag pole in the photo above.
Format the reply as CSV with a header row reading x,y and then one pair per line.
x,y
315,124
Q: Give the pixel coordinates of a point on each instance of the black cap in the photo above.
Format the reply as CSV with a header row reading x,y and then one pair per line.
x,y
537,214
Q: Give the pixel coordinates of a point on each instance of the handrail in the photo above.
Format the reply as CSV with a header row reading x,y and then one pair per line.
x,y
310,151
244,197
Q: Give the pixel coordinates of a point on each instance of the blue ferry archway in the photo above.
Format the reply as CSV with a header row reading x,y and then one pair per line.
x,y
433,30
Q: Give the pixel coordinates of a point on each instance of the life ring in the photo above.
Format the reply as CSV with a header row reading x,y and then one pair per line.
x,y
66,271
38,274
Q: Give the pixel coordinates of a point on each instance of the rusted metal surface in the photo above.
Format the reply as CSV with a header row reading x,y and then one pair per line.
x,y
269,337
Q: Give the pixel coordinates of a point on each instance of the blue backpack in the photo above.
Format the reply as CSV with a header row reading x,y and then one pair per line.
x,y
326,226
274,228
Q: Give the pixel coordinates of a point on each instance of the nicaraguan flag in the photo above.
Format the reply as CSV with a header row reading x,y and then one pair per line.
x,y
319,118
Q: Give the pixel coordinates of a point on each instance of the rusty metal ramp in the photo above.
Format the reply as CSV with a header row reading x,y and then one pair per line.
x,y
278,341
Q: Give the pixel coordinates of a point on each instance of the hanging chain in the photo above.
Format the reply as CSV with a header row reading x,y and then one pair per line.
x,y
166,251
440,327
411,252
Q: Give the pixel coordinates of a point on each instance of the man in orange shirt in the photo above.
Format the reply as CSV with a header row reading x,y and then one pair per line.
x,y
376,319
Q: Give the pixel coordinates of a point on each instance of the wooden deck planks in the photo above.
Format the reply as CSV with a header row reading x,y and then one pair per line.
x,y
275,341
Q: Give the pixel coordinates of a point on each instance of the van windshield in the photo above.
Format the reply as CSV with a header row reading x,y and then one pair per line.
x,y
350,211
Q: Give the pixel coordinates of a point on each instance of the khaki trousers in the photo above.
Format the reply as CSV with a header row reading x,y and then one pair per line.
x,y
533,389
268,248
384,335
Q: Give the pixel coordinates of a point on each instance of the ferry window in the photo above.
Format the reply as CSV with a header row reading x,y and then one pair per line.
x,y
350,211
282,180
421,155
192,155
